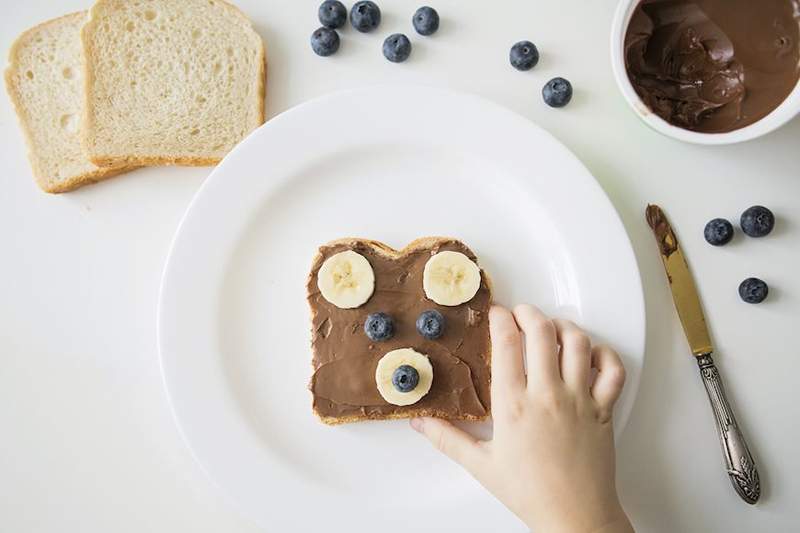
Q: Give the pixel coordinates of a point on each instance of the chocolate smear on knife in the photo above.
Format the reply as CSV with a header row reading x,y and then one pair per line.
x,y
667,241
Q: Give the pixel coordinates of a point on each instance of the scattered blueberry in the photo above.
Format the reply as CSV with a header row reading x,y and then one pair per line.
x,y
365,16
718,232
757,221
557,92
405,378
430,324
332,14
324,41
753,290
426,21
379,327
397,48
524,55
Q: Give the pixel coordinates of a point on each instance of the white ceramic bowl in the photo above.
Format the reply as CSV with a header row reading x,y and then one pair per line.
x,y
780,116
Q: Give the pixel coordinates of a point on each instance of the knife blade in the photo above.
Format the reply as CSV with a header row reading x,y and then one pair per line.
x,y
681,283
740,465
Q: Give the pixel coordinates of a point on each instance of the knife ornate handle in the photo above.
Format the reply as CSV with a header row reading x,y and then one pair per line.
x,y
741,467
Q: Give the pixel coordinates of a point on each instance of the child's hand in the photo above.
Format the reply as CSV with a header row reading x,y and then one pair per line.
x,y
551,460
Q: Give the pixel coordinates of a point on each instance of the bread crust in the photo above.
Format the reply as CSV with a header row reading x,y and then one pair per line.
x,y
45,182
423,243
153,161
106,160
87,178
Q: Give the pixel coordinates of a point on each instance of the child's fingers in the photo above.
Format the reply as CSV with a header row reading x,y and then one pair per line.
x,y
508,372
576,359
541,348
610,378
455,443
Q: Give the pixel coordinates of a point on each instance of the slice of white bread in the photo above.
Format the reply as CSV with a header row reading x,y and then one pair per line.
x,y
170,81
45,82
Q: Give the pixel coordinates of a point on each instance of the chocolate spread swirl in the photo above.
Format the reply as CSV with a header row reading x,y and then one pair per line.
x,y
713,66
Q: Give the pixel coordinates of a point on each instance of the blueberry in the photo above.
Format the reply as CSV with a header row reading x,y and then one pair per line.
x,y
430,324
379,327
332,14
324,41
557,92
757,221
397,48
718,232
365,16
426,21
753,290
405,378
524,55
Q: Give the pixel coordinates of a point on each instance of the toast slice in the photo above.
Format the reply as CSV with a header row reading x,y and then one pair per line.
x,y
44,79
170,81
344,359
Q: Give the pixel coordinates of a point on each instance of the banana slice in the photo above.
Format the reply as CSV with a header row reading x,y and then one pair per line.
x,y
451,278
346,280
390,363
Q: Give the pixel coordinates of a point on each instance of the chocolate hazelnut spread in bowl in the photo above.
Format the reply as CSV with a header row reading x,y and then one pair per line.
x,y
709,71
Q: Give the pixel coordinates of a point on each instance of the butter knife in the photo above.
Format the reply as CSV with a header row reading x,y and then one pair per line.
x,y
741,467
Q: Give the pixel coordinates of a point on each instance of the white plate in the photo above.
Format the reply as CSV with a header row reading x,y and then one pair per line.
x,y
391,164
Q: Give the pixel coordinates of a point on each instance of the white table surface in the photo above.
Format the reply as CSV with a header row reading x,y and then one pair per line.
x,y
87,442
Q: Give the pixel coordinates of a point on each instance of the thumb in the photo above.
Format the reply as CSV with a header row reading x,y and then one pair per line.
x,y
455,443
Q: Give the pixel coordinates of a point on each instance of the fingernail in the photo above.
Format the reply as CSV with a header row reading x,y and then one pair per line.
x,y
416,424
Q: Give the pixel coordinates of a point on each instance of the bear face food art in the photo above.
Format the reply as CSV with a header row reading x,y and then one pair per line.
x,y
399,333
